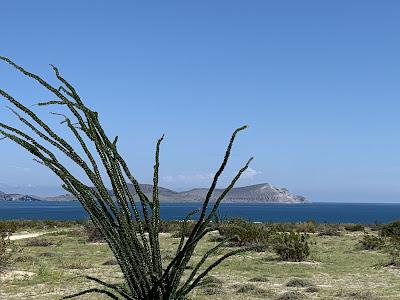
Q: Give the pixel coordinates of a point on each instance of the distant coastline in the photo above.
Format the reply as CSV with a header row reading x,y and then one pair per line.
x,y
259,193
367,213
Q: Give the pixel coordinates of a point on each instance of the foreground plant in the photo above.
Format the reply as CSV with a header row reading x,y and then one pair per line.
x,y
7,249
291,246
120,219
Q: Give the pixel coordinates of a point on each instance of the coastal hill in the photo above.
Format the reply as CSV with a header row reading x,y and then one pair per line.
x,y
16,197
259,193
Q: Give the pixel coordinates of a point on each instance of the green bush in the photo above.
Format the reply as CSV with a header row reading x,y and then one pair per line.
x,y
291,246
170,226
38,242
6,253
282,227
110,262
258,279
187,229
371,242
7,247
246,233
391,233
307,227
299,282
391,230
312,289
23,259
292,295
252,289
76,265
328,230
359,295
15,225
93,233
394,252
354,227
211,281
7,228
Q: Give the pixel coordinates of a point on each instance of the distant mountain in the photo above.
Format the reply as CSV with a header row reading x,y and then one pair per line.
x,y
16,197
66,197
148,190
259,193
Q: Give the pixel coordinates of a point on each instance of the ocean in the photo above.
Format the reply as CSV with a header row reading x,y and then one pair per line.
x,y
366,213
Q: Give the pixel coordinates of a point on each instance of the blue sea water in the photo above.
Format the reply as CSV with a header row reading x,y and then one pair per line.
x,y
366,213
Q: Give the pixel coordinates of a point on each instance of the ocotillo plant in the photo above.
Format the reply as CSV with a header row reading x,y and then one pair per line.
x,y
122,221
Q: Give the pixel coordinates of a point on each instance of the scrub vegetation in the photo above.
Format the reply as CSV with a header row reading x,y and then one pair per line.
x,y
337,266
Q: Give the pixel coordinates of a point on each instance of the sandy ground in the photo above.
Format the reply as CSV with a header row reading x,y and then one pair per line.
x,y
27,235
12,274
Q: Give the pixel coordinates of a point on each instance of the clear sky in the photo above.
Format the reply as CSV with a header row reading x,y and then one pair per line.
x,y
318,82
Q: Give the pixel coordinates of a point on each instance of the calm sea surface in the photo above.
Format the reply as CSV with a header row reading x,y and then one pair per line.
x,y
321,212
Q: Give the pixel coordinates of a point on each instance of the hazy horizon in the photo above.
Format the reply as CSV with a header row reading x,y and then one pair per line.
x,y
317,83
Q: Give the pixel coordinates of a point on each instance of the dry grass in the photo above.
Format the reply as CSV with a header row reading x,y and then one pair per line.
x,y
336,269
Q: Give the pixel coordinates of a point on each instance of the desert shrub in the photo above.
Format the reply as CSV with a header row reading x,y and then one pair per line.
x,y
215,237
281,227
16,225
245,233
38,242
170,226
299,282
376,226
258,279
371,242
167,254
307,227
391,230
24,258
354,227
244,288
211,281
7,250
393,249
357,295
7,247
183,229
328,230
211,285
110,262
93,233
44,274
76,265
312,289
292,295
43,271
291,246
48,254
211,290
7,228
251,289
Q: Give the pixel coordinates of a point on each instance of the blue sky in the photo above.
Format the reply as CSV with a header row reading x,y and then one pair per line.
x,y
316,81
